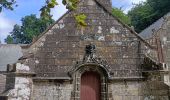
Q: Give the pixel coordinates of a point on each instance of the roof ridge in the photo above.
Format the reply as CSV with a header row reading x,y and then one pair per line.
x,y
163,18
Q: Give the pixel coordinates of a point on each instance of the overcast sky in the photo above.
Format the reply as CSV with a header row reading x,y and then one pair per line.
x,y
26,7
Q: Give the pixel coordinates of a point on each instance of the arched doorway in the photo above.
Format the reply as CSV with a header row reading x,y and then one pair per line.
x,y
90,86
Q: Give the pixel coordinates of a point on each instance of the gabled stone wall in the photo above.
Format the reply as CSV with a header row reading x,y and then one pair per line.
x,y
58,50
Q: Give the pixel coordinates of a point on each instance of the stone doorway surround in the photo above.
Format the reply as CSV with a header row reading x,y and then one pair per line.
x,y
86,68
90,62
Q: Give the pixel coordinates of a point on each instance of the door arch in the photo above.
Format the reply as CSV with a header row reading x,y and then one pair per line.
x,y
90,86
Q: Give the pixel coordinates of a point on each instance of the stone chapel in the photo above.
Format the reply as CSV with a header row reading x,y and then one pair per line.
x,y
106,60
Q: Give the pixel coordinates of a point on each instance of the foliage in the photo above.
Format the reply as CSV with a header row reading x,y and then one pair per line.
x,y
80,18
144,14
141,16
122,16
31,28
46,9
70,4
7,4
160,7
9,39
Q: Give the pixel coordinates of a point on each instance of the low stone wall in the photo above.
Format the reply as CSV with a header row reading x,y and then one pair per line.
x,y
22,90
47,90
139,90
18,83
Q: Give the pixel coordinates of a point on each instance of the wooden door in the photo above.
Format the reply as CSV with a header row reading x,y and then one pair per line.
x,y
90,86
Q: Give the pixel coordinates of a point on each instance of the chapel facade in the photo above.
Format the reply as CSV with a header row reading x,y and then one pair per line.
x,y
106,60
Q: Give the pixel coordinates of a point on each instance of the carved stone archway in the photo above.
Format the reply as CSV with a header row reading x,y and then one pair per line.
x,y
90,62
86,68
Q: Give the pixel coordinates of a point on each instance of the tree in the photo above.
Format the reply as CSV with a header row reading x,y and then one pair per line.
x,y
9,40
122,16
7,4
31,27
160,7
45,10
144,14
141,16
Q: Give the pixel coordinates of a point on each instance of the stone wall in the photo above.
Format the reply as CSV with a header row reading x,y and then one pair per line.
x,y
22,90
167,58
139,90
2,82
46,90
118,90
168,43
58,50
18,83
160,40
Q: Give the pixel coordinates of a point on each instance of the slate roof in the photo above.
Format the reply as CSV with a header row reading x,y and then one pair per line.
x,y
148,32
9,54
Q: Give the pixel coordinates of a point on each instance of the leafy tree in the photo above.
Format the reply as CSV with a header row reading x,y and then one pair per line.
x,y
122,16
31,27
144,14
9,39
141,16
7,4
160,7
45,10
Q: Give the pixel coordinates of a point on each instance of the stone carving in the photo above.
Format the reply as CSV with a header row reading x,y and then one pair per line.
x,y
90,58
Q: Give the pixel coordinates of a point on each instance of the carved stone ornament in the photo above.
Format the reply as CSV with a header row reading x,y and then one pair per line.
x,y
90,58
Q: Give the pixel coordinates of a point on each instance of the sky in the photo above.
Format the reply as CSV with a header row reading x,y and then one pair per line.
x,y
26,7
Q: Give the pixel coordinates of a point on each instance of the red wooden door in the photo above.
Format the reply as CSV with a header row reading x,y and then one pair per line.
x,y
90,86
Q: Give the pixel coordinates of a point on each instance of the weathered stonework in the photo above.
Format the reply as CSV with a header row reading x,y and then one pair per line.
x,y
139,90
18,83
129,67
2,82
22,89
159,38
51,90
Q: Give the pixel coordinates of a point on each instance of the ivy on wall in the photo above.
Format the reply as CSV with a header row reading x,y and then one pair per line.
x,y
80,19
